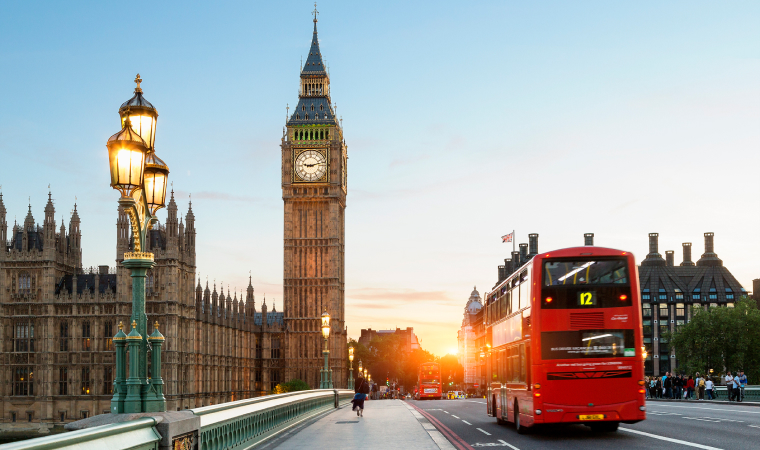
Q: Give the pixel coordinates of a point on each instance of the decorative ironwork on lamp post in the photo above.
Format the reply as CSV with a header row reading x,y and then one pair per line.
x,y
141,178
326,373
350,367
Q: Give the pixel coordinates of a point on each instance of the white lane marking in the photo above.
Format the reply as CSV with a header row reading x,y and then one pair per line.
x,y
715,419
754,426
677,441
446,412
454,416
509,445
483,431
702,419
712,409
468,423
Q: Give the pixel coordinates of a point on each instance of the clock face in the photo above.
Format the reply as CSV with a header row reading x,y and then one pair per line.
x,y
311,165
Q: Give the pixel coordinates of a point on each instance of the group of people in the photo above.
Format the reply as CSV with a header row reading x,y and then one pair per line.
x,y
694,387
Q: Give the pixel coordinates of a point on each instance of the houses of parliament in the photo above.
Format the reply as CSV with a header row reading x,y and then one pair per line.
x,y
57,319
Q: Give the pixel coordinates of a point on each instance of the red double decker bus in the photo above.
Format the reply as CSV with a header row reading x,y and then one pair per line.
x,y
429,381
565,341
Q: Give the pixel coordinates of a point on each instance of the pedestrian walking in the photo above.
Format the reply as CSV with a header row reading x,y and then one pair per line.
x,y
743,382
736,388
729,386
652,388
690,387
360,394
667,383
658,387
678,387
700,387
709,389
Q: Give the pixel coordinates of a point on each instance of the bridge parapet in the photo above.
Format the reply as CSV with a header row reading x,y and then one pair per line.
x,y
137,434
227,426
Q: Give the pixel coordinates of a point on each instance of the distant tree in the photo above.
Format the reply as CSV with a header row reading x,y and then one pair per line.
x,y
291,386
720,339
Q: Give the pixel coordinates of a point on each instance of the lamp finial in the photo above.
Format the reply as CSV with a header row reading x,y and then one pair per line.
x,y
138,80
315,12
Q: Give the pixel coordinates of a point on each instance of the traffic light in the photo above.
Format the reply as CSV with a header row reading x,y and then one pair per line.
x,y
387,381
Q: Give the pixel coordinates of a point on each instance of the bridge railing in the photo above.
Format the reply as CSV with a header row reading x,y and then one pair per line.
x,y
227,426
244,423
751,393
137,434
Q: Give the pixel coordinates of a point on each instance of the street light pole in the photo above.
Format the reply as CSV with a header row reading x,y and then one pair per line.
x,y
351,367
326,373
141,178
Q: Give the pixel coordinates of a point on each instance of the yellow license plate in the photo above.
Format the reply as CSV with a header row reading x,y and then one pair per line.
x,y
591,417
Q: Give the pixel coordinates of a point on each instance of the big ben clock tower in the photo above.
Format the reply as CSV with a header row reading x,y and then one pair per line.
x,y
314,157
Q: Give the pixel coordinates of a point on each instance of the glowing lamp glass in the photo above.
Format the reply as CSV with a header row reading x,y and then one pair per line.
x,y
351,354
537,394
145,126
127,163
642,391
155,189
623,297
549,299
325,325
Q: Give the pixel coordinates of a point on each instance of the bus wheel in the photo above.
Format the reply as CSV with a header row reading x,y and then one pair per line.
x,y
604,427
518,425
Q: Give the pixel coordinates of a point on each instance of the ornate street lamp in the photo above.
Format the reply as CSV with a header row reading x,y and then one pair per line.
x,y
351,367
141,178
326,379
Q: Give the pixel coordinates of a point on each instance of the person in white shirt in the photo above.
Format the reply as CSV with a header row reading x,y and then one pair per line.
x,y
730,386
709,389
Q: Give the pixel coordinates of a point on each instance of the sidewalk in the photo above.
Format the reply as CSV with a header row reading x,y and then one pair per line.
x,y
387,424
703,402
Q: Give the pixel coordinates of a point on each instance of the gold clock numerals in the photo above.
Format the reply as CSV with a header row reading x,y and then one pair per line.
x,y
311,165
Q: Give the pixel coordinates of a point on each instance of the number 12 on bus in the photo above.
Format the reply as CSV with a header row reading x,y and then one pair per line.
x,y
565,340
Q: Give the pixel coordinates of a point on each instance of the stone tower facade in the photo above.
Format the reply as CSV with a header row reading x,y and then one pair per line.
x,y
314,175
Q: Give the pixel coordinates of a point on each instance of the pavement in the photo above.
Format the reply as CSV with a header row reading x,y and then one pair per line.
x,y
386,424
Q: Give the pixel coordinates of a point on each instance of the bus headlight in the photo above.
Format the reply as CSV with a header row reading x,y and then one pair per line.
x,y
538,412
642,408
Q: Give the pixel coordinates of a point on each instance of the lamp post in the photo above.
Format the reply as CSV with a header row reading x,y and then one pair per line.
x,y
351,367
141,178
326,379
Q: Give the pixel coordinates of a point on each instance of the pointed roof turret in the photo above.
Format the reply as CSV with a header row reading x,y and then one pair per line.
x,y
49,208
314,64
2,205
29,220
75,214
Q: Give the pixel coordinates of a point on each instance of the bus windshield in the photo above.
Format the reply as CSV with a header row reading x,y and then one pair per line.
x,y
429,375
585,272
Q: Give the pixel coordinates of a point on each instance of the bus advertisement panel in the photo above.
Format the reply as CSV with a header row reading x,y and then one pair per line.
x,y
566,341
429,381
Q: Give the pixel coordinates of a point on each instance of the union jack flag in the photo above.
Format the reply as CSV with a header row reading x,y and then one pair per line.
x,y
508,237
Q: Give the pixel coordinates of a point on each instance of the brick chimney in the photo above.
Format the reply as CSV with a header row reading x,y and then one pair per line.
x,y
523,253
588,239
687,254
709,257
670,258
654,258
532,244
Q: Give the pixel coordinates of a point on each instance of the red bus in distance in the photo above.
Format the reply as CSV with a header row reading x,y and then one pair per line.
x,y
565,340
429,381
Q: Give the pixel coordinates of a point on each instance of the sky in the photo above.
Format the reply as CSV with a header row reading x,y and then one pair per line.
x,y
464,121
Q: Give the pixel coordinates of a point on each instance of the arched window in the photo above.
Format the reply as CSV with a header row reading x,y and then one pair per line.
x,y
312,107
321,107
306,116
24,281
298,117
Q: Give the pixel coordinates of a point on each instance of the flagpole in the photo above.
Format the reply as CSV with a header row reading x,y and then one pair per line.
x,y
514,238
